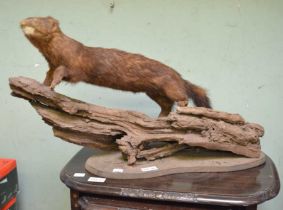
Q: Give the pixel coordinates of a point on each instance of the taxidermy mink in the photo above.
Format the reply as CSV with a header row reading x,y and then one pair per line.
x,y
71,61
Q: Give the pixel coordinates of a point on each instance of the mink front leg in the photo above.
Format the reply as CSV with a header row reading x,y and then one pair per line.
x,y
57,76
49,77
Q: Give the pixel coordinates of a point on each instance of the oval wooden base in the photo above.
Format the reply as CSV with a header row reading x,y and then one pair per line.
x,y
112,165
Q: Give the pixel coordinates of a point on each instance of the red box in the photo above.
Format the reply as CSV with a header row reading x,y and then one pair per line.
x,y
8,181
11,205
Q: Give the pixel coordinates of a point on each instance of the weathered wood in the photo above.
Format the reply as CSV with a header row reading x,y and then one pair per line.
x,y
203,112
135,134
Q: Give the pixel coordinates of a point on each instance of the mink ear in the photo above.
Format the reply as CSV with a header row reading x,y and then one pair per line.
x,y
50,17
53,20
55,24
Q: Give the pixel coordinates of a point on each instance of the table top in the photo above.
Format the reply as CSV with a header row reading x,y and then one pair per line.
x,y
239,188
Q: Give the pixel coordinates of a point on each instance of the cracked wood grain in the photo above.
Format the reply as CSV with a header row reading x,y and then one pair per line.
x,y
135,134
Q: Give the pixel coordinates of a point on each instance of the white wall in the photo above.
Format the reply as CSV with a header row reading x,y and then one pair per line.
x,y
234,48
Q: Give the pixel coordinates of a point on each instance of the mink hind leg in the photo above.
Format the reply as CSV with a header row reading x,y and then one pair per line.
x,y
178,94
164,102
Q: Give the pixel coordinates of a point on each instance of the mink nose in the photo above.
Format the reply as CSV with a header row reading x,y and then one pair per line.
x,y
23,23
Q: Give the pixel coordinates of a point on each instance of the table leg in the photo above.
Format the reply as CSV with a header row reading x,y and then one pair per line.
x,y
74,196
253,207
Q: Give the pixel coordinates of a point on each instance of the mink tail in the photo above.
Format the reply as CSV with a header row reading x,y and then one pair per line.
x,y
198,95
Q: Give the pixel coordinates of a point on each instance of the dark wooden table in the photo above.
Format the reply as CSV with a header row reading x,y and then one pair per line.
x,y
204,191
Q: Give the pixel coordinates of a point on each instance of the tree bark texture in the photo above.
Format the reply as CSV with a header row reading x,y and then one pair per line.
x,y
135,134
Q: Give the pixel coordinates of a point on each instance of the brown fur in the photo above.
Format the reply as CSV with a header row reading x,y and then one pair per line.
x,y
73,62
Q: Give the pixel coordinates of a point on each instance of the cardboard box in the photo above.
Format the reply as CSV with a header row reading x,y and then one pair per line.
x,y
8,181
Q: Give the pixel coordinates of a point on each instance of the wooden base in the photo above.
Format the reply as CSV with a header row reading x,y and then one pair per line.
x,y
112,165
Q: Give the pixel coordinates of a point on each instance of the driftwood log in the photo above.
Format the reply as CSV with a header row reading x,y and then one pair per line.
x,y
135,134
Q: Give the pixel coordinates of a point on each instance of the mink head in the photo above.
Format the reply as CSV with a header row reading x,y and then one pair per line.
x,y
40,27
